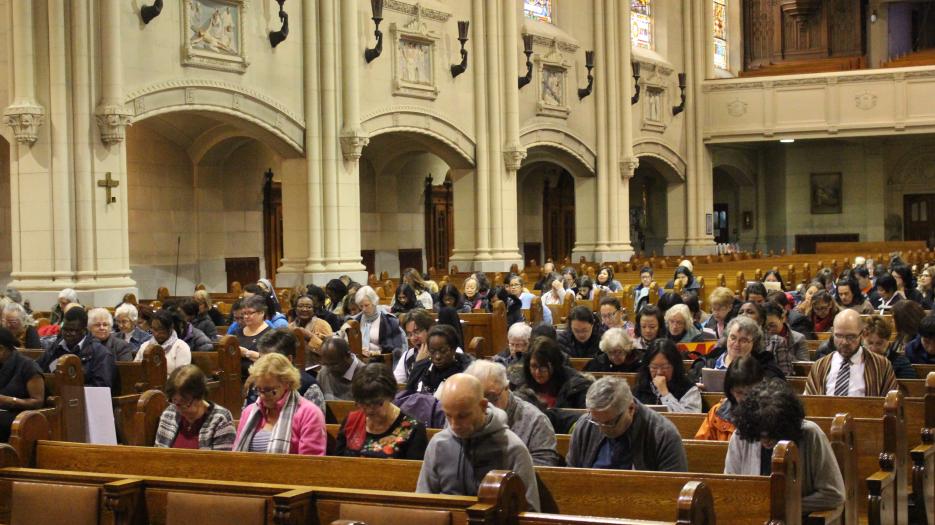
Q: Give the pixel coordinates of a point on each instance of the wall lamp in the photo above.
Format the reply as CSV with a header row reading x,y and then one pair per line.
x,y
636,82
588,63
527,50
377,7
457,69
681,107
276,37
148,12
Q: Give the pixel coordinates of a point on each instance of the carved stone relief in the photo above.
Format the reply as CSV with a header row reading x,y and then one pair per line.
x,y
865,101
553,83
213,34
414,47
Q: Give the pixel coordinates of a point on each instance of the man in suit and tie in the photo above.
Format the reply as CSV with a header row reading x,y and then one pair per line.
x,y
851,370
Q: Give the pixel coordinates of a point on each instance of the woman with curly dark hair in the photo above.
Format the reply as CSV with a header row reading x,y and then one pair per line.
x,y
771,413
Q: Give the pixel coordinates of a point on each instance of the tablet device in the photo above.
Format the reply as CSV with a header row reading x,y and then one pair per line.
x,y
712,379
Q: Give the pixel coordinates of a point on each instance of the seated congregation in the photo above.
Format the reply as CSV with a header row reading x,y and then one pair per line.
x,y
617,377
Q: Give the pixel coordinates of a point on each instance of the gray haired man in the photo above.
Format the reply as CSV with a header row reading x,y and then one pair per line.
x,y
618,432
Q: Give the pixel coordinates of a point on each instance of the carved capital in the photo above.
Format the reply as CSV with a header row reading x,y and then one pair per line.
x,y
513,157
113,120
628,167
25,119
352,144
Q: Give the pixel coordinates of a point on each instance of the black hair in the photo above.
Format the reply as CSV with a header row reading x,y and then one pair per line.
x,y
446,331
546,352
927,326
374,382
773,308
778,297
743,371
646,269
906,274
887,282
189,306
281,341
678,385
756,288
336,343
668,300
610,274
338,288
255,289
690,299
682,270
544,330
409,293
770,410
483,283
651,310
420,317
778,276
861,271
165,318
580,313
76,313
317,295
611,300
585,282
858,296
448,316
450,290
760,312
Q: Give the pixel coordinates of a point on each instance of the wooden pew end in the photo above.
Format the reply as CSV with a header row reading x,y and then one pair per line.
x,y
29,427
696,504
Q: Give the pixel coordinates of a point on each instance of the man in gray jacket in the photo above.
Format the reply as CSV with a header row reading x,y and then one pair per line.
x,y
618,432
475,442
529,423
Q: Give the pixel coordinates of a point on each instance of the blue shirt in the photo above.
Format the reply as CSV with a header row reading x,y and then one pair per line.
x,y
526,298
614,454
278,321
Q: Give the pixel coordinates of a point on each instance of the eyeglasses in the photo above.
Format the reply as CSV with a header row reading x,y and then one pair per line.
x,y
493,397
611,424
267,391
184,404
850,338
610,315
245,313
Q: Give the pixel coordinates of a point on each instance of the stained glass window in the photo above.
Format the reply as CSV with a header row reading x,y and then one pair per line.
x,y
641,23
538,10
720,34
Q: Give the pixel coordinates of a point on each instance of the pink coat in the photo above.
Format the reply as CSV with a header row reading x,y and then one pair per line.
x,y
309,436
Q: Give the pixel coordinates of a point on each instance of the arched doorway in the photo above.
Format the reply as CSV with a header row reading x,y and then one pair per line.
x,y
648,209
196,201
546,200
409,192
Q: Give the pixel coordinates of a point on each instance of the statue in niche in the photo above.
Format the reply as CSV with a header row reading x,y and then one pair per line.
x,y
551,87
213,26
654,103
415,62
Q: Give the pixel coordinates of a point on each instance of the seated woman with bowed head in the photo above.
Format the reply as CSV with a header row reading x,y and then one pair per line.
x,y
378,428
742,374
555,384
449,296
662,380
617,353
379,331
126,317
405,300
850,296
163,328
189,421
21,384
582,334
650,325
681,326
770,413
16,320
281,421
744,337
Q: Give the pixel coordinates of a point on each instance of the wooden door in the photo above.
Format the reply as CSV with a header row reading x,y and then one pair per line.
x,y
411,258
721,223
919,217
558,217
272,225
244,270
439,224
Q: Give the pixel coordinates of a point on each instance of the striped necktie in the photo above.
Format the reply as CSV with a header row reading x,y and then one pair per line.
x,y
844,379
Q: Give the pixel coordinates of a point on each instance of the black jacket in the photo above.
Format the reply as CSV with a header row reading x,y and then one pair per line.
x,y
602,363
426,379
97,361
767,362
573,391
575,348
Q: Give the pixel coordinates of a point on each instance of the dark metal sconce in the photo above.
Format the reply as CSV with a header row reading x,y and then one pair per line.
x,y
377,7
457,69
636,82
527,50
148,12
588,63
276,37
681,107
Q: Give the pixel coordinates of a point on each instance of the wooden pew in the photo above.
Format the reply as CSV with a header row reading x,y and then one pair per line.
x,y
222,366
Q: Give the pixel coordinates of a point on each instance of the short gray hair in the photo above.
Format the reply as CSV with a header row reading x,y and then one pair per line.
x,y
747,327
366,292
519,330
128,310
615,338
485,370
99,314
681,310
609,392
70,294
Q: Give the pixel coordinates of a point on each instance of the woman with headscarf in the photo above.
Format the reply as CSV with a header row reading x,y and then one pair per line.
x,y
267,287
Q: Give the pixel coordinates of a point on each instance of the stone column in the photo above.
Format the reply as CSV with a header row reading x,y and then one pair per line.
x,y
329,129
24,115
628,162
600,97
699,174
112,117
313,138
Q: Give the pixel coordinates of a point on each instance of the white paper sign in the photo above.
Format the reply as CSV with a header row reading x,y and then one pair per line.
x,y
100,415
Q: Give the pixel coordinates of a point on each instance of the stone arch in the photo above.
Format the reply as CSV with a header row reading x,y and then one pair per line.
x,y
559,146
255,114
430,130
662,157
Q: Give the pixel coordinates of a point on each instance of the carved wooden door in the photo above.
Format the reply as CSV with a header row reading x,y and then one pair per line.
x,y
272,225
439,223
558,216
919,217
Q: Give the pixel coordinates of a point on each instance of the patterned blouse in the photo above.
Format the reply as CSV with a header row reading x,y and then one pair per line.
x,y
404,439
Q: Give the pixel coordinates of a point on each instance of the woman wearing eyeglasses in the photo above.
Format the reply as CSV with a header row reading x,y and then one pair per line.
x,y
378,428
253,309
662,380
554,384
281,421
189,421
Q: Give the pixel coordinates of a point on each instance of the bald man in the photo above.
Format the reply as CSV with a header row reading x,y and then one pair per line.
x,y
851,370
476,441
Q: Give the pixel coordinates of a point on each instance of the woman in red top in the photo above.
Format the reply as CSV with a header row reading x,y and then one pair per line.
x,y
822,311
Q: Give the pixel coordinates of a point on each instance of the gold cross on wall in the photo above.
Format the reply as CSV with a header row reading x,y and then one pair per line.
x,y
109,184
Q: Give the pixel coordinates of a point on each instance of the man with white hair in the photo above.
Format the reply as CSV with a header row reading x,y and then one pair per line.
x,y
524,419
619,432
475,442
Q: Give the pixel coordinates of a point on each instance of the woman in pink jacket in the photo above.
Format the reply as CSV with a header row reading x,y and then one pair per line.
x,y
281,421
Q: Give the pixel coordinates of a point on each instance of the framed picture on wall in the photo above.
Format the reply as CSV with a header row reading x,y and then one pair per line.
x,y
826,194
